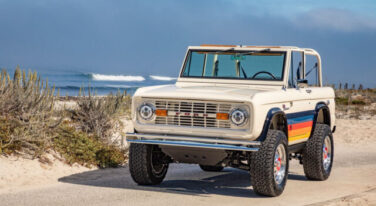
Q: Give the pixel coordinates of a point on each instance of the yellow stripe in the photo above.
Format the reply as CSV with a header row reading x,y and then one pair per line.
x,y
298,137
301,131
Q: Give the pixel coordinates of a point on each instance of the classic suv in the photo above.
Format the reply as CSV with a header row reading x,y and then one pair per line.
x,y
247,107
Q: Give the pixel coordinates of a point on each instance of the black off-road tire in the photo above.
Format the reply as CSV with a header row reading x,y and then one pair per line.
x,y
262,165
208,168
313,154
141,165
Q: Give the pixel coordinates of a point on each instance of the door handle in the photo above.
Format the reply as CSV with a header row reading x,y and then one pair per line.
x,y
308,91
285,107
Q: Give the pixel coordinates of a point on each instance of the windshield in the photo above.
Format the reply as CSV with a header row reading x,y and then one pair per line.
x,y
252,65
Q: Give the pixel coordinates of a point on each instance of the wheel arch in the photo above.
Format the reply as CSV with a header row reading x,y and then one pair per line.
x,y
275,119
321,115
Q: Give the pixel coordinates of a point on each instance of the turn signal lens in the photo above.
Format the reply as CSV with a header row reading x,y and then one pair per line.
x,y
161,112
222,116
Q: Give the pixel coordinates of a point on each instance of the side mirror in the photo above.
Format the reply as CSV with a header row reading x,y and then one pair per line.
x,y
302,83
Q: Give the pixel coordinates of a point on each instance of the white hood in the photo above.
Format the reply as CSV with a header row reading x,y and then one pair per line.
x,y
207,92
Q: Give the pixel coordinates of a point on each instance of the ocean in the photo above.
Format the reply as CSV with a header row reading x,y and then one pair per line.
x,y
69,82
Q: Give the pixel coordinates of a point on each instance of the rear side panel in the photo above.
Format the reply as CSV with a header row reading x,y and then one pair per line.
x,y
300,125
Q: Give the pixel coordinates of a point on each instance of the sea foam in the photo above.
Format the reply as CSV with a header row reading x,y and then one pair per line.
x,y
119,86
104,77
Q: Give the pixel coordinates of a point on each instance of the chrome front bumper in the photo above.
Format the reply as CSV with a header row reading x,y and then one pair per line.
x,y
196,142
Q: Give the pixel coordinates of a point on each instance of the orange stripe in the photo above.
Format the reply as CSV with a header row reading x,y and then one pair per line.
x,y
300,125
300,131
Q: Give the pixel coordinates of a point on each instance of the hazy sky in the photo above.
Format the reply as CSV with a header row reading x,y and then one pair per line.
x,y
150,37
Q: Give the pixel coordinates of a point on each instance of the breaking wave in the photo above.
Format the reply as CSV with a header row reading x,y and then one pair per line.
x,y
119,86
104,77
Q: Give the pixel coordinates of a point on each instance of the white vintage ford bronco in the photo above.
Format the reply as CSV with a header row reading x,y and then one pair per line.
x,y
248,107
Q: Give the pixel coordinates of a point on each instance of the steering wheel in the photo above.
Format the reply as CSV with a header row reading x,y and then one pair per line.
x,y
263,72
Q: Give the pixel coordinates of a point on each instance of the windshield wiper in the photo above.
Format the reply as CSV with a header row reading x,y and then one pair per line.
x,y
245,75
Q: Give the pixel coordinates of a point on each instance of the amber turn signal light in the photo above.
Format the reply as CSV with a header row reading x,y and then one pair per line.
x,y
222,116
161,112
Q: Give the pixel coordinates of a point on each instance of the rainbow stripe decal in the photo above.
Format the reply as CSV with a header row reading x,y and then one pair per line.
x,y
299,125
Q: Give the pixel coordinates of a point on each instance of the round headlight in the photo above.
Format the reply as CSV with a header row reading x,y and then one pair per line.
x,y
147,111
238,117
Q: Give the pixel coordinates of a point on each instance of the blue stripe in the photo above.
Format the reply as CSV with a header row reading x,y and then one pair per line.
x,y
300,119
300,114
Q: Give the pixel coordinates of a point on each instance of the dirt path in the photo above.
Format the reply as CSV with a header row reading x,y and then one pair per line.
x,y
353,182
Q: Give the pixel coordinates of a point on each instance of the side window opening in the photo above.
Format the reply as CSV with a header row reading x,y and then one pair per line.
x,y
296,68
311,74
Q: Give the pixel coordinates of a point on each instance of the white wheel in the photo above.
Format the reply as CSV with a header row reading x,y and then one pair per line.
x,y
280,164
327,153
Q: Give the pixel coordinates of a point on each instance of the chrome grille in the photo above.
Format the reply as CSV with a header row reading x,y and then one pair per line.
x,y
187,109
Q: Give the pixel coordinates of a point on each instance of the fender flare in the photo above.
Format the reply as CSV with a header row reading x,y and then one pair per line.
x,y
269,117
319,106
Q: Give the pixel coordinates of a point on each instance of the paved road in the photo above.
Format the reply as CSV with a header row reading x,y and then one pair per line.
x,y
188,185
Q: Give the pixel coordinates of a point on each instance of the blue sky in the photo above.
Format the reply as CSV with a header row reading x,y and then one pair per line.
x,y
150,37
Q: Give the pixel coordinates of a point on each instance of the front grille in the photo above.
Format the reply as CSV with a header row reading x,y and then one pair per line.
x,y
192,113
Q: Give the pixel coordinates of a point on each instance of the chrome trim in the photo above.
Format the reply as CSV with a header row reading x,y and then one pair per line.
x,y
194,144
197,142
280,161
188,138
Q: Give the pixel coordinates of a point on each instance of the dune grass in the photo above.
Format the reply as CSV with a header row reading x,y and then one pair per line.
x,y
30,126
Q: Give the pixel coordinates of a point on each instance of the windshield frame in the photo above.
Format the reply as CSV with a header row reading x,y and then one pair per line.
x,y
189,52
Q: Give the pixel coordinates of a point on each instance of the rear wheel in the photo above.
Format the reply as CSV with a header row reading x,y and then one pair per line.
x,y
318,154
211,168
146,164
269,166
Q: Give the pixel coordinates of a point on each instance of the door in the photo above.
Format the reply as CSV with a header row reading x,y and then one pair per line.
x,y
301,112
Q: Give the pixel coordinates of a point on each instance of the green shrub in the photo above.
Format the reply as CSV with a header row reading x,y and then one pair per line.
x,y
6,145
79,147
358,102
341,101
97,115
26,113
110,156
30,126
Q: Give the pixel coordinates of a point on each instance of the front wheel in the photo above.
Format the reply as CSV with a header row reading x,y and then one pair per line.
x,y
269,165
146,164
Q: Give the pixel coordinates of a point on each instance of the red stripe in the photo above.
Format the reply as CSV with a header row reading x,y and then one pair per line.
x,y
300,125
